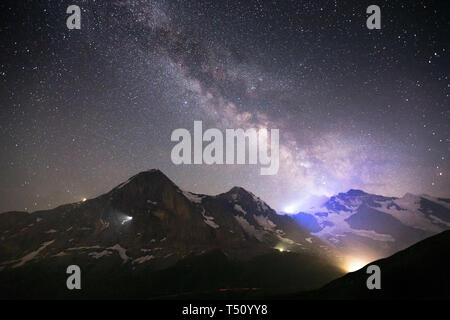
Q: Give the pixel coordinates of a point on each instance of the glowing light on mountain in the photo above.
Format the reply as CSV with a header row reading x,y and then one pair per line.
x,y
354,264
126,219
290,209
83,200
281,248
307,203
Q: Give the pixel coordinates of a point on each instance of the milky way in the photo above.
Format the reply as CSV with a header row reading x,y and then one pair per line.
x,y
83,110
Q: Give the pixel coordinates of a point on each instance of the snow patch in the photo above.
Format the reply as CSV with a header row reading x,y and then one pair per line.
x,y
239,209
262,206
409,213
340,226
374,235
33,254
195,198
249,229
285,240
97,255
60,254
439,221
123,184
83,248
265,222
121,251
209,220
437,200
143,259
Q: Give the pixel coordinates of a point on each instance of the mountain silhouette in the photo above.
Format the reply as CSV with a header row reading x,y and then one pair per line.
x,y
149,238
418,272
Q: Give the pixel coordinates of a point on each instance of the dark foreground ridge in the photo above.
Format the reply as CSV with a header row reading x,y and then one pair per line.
x,y
418,272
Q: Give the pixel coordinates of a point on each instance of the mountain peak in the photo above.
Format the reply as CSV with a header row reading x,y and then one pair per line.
x,y
355,193
409,195
144,177
150,173
238,190
146,185
240,193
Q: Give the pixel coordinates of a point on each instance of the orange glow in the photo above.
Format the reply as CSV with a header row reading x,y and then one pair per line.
x,y
353,264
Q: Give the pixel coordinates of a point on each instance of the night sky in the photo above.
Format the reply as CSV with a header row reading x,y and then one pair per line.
x,y
83,110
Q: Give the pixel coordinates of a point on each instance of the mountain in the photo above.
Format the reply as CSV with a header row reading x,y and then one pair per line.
x,y
148,229
418,272
374,226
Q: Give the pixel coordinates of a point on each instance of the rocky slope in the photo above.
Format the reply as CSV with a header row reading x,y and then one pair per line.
x,y
418,272
148,225
375,226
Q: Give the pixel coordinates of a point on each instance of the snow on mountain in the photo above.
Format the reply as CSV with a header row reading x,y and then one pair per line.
x,y
124,224
358,221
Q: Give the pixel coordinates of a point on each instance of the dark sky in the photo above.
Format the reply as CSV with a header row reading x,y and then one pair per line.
x,y
83,110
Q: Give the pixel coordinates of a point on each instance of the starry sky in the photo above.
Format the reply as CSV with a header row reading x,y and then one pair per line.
x,y
83,110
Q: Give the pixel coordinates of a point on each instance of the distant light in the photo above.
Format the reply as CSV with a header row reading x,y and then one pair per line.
x,y
281,248
290,209
354,264
83,200
126,219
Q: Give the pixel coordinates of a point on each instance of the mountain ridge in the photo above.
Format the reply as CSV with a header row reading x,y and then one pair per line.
x,y
147,224
357,222
417,272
